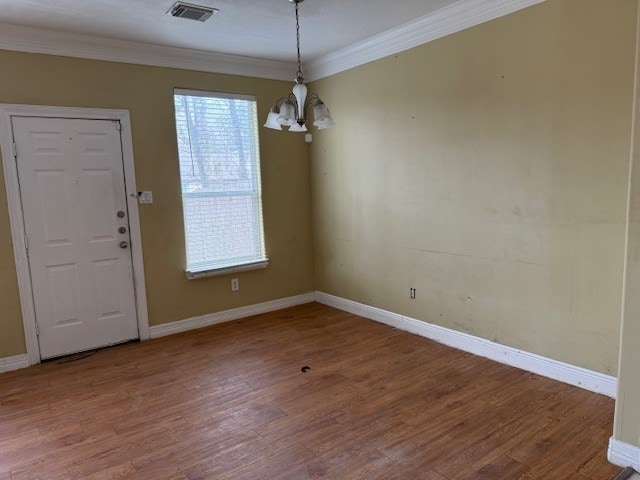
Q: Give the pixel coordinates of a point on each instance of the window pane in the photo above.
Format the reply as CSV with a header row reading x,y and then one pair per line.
x,y
220,177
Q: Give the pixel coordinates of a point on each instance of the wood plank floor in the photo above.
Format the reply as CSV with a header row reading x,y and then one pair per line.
x,y
230,402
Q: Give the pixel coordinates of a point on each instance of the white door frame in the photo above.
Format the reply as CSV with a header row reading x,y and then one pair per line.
x,y
17,220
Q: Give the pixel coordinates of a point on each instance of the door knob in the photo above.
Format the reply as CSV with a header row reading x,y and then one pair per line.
x,y
123,244
120,213
122,230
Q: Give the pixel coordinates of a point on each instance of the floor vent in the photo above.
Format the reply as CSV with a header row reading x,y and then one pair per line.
x,y
191,12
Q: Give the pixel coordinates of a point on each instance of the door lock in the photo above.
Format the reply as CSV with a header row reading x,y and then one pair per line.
x,y
123,244
120,213
122,230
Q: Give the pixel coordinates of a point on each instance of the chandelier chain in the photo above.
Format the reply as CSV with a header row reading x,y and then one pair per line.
x,y
299,73
291,111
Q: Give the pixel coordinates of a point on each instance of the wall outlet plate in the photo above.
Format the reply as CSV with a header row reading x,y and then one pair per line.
x,y
235,284
145,197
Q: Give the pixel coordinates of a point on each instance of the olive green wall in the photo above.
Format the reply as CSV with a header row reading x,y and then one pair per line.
x,y
147,92
488,170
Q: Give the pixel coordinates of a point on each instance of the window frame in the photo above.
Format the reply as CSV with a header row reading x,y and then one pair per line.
x,y
240,266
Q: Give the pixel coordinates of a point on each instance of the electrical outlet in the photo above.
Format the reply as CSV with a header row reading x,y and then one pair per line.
x,y
235,284
412,293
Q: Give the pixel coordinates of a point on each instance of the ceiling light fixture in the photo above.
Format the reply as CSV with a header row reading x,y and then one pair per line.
x,y
291,111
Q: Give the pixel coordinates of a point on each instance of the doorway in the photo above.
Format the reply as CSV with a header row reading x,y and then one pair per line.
x,y
75,225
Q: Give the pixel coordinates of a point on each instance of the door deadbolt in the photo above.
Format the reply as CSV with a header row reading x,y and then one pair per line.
x,y
124,244
120,214
122,230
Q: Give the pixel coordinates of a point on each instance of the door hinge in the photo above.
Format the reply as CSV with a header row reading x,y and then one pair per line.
x,y
118,126
37,329
14,149
26,244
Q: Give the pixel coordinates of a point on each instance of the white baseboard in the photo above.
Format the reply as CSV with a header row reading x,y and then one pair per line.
x,y
14,363
563,372
22,361
580,377
623,454
229,315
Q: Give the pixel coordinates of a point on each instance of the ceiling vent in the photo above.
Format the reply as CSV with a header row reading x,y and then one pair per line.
x,y
192,12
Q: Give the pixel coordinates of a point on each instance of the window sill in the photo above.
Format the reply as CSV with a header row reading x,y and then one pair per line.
x,y
214,272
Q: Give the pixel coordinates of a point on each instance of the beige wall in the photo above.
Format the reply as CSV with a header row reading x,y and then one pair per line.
x,y
488,170
147,93
627,421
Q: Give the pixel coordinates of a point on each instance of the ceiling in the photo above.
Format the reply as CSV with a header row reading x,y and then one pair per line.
x,y
253,38
256,28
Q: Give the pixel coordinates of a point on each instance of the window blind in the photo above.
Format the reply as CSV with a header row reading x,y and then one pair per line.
x,y
220,177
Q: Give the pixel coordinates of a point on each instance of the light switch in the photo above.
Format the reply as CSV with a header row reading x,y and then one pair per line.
x,y
145,197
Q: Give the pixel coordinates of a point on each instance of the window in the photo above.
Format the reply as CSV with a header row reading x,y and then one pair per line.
x,y
220,176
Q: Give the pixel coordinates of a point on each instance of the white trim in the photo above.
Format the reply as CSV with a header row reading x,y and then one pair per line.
x,y
135,232
18,236
187,92
16,216
37,40
450,19
229,315
14,363
547,367
623,454
215,272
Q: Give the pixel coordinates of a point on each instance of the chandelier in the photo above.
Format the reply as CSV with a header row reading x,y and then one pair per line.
x,y
291,111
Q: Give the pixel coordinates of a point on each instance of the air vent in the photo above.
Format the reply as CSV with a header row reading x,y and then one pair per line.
x,y
192,12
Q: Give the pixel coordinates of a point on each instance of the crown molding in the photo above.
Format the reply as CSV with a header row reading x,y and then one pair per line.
x,y
37,40
451,19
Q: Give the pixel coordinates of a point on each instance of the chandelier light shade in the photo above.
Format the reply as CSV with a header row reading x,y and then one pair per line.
x,y
273,119
291,111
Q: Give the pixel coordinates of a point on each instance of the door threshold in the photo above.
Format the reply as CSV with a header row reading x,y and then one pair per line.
x,y
74,357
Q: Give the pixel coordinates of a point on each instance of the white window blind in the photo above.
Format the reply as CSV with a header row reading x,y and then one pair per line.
x,y
220,176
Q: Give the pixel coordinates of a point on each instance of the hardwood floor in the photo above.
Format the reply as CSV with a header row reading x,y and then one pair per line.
x,y
231,402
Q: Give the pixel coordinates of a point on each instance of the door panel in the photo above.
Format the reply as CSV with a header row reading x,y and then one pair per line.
x,y
63,290
106,275
54,201
102,221
72,187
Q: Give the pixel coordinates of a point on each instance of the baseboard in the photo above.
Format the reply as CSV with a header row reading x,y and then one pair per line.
x,y
623,454
563,372
22,361
577,376
14,363
165,329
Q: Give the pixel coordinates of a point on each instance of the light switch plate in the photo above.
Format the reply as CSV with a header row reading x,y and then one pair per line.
x,y
145,197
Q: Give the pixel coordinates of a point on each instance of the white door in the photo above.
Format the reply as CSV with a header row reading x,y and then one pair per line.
x,y
75,216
